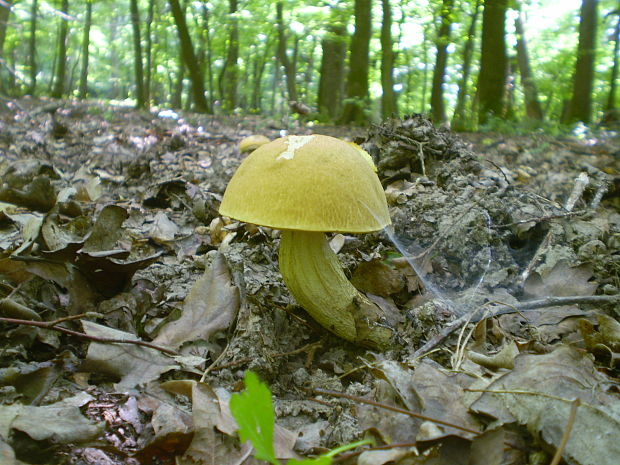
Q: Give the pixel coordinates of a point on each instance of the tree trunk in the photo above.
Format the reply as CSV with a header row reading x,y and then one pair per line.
x,y
458,118
231,76
137,51
148,71
492,78
289,67
189,59
580,105
61,63
611,97
438,109
533,109
83,89
5,12
208,63
388,98
32,48
331,81
355,109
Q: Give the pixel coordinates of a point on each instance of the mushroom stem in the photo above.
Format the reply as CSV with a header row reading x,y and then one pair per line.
x,y
313,274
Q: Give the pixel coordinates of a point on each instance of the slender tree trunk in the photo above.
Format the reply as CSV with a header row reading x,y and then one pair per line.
x,y
208,64
83,90
533,109
189,59
493,63
458,119
137,50
260,63
388,99
331,80
148,72
61,63
580,105
32,47
611,97
5,12
355,109
425,70
289,67
177,88
438,109
232,58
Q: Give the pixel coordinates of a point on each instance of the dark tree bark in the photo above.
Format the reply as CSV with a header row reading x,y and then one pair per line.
x,y
83,88
355,109
189,59
492,78
32,47
458,119
580,105
611,97
289,67
331,81
438,109
137,51
61,62
533,109
260,62
388,98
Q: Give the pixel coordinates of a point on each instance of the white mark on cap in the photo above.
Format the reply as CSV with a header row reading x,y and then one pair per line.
x,y
294,143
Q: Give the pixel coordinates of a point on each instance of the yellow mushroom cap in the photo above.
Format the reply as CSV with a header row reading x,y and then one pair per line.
x,y
251,143
308,183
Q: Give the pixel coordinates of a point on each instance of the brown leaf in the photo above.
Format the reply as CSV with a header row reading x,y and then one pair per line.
x,y
539,392
211,306
562,280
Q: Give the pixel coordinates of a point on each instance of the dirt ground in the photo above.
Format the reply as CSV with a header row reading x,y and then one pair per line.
x,y
499,278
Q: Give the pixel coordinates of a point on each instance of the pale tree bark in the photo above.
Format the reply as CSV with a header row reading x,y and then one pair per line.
x,y
137,51
533,109
287,64
332,72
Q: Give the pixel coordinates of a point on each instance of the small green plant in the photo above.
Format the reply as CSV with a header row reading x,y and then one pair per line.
x,y
253,412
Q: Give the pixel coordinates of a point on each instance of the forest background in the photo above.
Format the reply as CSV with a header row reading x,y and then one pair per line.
x,y
471,63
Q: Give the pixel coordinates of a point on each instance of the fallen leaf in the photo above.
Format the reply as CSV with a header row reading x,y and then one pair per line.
x,y
539,392
132,363
561,280
211,306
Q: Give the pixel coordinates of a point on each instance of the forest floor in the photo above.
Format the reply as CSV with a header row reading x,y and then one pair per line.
x,y
500,278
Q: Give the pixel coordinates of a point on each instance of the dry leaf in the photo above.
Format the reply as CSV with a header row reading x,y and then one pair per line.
x,y
211,306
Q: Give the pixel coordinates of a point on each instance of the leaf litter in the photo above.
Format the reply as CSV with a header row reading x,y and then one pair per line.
x,y
131,309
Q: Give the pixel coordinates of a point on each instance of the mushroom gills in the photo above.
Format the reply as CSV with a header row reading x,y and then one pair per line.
x,y
313,274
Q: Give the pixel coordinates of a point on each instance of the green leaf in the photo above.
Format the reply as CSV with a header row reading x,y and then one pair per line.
x,y
253,412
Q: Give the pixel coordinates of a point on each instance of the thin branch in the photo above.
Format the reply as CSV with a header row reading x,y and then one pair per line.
x,y
394,409
103,340
479,314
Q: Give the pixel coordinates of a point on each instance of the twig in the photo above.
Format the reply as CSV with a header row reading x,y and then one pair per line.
x,y
103,340
569,426
580,185
393,409
345,457
477,315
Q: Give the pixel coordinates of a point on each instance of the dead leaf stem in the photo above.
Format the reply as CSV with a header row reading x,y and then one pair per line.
x,y
569,426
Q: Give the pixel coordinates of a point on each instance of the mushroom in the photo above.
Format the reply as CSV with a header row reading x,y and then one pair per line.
x,y
306,186
251,143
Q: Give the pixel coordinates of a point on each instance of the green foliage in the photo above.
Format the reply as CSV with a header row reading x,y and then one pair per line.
x,y
253,412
